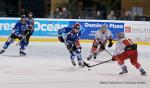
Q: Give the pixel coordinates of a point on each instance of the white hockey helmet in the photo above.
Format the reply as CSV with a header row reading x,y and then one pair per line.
x,y
104,27
120,35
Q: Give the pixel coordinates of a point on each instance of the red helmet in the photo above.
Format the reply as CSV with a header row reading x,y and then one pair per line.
x,y
77,26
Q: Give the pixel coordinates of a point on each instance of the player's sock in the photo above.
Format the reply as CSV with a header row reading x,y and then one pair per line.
x,y
124,69
72,59
6,45
80,61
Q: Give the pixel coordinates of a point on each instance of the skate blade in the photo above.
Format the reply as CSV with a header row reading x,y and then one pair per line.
x,y
22,55
81,66
125,74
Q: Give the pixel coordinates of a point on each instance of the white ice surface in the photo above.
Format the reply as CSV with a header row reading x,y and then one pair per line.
x,y
47,65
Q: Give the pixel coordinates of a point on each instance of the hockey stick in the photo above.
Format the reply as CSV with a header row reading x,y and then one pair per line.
x,y
87,65
109,53
66,46
22,38
82,60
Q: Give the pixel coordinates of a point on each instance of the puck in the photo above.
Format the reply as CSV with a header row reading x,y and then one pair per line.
x,y
89,69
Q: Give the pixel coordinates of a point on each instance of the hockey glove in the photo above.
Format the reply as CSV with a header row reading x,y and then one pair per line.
x,y
110,43
61,39
20,36
70,47
102,47
97,40
113,58
30,27
131,47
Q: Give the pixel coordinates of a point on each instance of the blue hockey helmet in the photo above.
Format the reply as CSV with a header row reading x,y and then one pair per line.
x,y
76,26
23,16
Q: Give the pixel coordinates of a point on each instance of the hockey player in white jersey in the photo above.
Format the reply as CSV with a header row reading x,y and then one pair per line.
x,y
101,37
126,49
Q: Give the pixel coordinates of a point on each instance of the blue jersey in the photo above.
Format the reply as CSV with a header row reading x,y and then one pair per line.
x,y
20,28
30,23
70,35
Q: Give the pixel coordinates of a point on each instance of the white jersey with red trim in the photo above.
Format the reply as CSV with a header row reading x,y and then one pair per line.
x,y
103,37
120,46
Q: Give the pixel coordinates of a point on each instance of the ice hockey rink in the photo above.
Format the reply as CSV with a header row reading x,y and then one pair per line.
x,y
47,65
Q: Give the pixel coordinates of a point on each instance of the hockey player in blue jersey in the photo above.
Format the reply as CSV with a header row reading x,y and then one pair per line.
x,y
30,29
71,40
17,32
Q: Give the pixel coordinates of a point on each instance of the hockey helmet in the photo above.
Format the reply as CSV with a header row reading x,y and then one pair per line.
x,y
120,35
23,16
104,27
76,26
30,12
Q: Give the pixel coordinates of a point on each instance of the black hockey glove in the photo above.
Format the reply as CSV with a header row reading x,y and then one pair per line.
x,y
102,47
131,47
61,39
71,47
110,43
20,36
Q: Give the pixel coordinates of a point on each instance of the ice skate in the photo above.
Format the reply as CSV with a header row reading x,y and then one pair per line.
x,y
143,73
80,63
89,58
2,51
124,70
73,62
22,53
